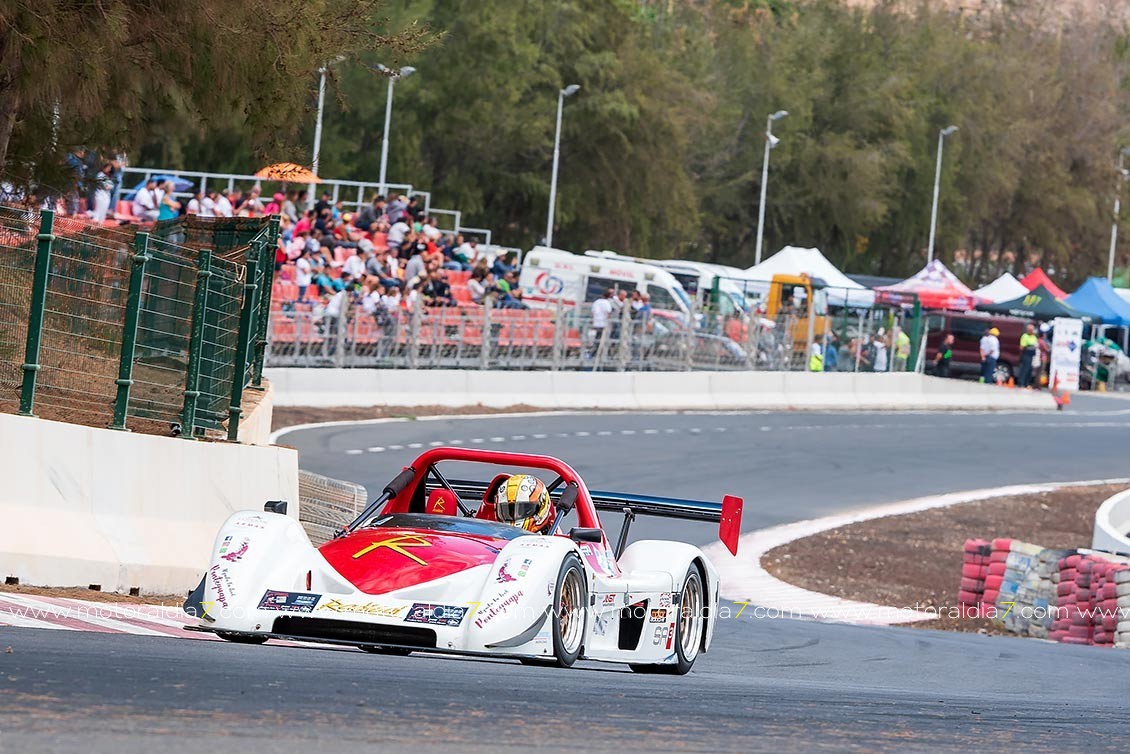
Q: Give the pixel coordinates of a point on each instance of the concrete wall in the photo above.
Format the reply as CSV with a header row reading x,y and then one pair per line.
x,y
82,506
641,390
1112,525
255,424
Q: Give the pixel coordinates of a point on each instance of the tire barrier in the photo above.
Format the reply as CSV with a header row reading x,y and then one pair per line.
x,y
1069,596
326,505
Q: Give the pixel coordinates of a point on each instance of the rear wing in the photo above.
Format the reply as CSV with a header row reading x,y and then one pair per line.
x,y
728,513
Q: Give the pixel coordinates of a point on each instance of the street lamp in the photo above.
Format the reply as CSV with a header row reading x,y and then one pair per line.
x,y
568,91
771,141
937,179
393,77
318,127
1122,175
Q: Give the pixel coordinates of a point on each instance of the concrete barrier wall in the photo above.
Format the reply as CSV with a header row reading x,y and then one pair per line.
x,y
641,390
82,506
255,424
1112,525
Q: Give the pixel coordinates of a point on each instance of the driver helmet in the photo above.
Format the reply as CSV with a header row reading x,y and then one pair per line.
x,y
523,501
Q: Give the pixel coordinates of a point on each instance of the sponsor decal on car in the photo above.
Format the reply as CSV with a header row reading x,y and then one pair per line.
x,y
435,615
232,552
670,634
251,522
504,575
665,599
221,585
610,599
658,616
290,602
363,608
496,606
400,544
660,636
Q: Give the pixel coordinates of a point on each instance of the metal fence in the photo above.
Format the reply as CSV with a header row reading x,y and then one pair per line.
x,y
484,337
157,331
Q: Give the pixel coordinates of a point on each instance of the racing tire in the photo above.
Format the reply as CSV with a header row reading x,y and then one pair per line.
x,y
241,638
570,611
393,651
690,627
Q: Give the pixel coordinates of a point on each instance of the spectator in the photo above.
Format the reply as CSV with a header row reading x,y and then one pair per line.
x,y
224,207
831,352
253,203
274,207
1029,347
303,273
397,233
193,207
879,351
502,264
235,196
479,284
902,350
367,217
170,207
288,206
943,357
415,211
392,299
103,186
147,202
76,162
398,210
602,312
305,223
429,229
326,202
816,358
355,263
208,203
990,352
436,291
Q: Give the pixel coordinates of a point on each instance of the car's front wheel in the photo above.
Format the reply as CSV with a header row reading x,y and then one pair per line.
x,y
570,603
690,624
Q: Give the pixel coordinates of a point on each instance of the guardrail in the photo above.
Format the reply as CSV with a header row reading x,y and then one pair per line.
x,y
140,328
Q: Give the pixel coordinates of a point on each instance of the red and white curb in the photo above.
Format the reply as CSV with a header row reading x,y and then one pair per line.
x,y
36,611
745,581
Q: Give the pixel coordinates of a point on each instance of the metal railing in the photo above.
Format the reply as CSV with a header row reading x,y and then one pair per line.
x,y
138,329
485,337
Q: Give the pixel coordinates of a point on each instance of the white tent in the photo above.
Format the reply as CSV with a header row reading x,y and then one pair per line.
x,y
1004,288
792,260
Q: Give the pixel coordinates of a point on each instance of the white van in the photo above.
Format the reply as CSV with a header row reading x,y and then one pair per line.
x,y
550,276
697,280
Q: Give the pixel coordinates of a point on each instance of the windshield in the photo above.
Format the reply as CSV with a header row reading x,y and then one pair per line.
x,y
473,526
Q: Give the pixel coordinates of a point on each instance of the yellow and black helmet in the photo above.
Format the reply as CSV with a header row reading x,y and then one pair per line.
x,y
523,501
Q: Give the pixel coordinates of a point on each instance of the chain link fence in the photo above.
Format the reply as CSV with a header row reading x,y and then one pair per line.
x,y
485,337
155,331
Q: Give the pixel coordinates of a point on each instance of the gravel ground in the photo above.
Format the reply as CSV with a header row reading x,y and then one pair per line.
x,y
915,560
288,416
82,593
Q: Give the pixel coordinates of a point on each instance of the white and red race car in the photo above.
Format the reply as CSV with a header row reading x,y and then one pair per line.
x,y
427,568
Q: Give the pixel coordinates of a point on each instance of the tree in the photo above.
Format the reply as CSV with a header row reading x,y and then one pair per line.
x,y
115,73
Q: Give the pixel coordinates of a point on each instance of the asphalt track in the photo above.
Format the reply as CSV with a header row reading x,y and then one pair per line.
x,y
766,685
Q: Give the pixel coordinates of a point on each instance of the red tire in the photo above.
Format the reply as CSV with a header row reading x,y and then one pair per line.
x,y
971,571
968,598
993,583
997,569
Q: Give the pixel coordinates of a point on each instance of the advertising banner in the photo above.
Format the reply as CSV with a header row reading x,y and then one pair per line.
x,y
1067,349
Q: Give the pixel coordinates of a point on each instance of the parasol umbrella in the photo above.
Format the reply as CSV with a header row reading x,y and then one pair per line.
x,y
289,172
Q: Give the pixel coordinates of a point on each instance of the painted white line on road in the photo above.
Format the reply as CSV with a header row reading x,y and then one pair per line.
x,y
540,436
396,447
604,433
498,439
651,431
435,443
517,437
354,452
415,445
376,449
743,579
627,431
581,434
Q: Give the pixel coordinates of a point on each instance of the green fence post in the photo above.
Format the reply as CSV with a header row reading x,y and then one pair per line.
x,y
195,345
129,332
264,317
45,240
247,325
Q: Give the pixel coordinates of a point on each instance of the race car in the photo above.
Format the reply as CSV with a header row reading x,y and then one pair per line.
x,y
474,567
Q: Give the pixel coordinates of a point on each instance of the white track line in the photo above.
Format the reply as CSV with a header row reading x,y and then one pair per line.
x,y
745,580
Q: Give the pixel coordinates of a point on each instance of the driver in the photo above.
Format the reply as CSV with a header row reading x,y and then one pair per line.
x,y
523,501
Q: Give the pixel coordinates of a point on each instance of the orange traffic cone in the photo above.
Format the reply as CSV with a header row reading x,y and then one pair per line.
x,y
1012,382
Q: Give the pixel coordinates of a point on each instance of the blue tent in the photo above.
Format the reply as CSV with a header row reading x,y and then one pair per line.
x,y
179,184
1096,295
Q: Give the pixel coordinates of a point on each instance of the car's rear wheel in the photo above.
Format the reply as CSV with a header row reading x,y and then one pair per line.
x,y
241,638
690,624
570,601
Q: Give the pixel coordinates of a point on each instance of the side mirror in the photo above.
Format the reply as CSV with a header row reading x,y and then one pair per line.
x,y
586,535
275,506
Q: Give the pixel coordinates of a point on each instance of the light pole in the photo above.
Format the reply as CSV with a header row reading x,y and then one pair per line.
x,y
568,91
770,142
393,77
1122,174
318,127
937,180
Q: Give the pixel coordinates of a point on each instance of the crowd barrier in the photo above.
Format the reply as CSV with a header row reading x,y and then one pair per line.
x,y
124,511
642,390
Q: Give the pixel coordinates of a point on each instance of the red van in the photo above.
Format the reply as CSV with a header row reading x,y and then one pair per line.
x,y
968,329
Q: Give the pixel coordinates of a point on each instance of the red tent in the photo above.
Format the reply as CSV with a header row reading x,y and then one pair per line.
x,y
1038,277
936,287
